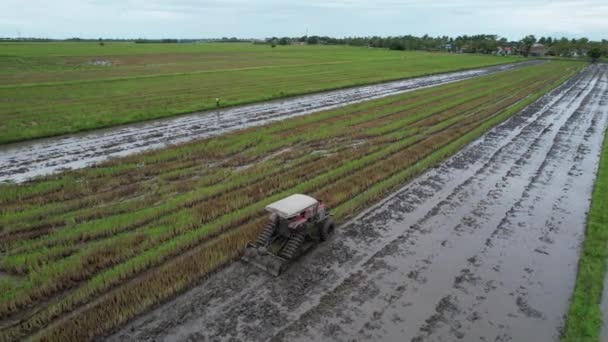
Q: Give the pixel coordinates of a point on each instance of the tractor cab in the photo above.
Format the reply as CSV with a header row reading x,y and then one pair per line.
x,y
295,211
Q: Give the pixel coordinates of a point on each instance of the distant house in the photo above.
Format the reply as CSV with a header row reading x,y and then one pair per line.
x,y
504,51
538,50
298,43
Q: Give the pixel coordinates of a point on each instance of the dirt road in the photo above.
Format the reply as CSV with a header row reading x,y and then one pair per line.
x,y
482,248
22,161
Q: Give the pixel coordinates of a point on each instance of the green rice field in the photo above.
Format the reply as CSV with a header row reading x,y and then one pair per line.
x,y
84,251
49,89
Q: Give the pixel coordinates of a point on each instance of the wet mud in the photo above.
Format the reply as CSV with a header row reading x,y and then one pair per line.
x,y
482,248
22,161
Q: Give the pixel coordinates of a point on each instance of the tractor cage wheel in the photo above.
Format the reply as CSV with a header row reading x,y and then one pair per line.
x,y
327,229
266,236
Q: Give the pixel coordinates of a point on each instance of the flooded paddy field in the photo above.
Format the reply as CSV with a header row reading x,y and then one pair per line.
x,y
482,247
22,161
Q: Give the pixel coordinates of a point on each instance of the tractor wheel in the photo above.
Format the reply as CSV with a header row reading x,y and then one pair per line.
x,y
293,245
267,234
327,229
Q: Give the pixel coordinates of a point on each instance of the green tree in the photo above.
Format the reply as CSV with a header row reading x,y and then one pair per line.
x,y
594,53
396,45
526,44
312,40
582,46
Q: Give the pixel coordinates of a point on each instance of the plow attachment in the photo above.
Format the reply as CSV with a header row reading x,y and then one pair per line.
x,y
263,259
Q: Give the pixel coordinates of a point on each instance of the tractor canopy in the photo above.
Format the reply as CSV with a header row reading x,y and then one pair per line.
x,y
291,206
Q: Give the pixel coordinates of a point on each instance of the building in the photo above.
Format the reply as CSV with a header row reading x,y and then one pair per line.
x,y
504,51
538,50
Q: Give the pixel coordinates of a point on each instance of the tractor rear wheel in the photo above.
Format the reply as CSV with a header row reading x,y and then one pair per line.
x,y
293,245
266,236
327,229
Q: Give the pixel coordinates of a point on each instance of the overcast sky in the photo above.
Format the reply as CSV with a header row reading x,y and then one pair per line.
x,y
263,18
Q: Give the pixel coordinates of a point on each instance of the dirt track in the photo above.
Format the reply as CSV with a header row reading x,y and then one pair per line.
x,y
483,247
22,161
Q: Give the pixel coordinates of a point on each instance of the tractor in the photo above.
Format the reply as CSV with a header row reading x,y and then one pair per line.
x,y
296,223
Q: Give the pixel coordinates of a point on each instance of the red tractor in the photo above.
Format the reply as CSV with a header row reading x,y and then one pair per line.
x,y
296,224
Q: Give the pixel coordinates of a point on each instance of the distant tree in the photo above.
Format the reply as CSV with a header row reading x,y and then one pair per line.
x,y
526,44
312,40
273,43
481,43
581,46
396,45
101,43
561,47
594,53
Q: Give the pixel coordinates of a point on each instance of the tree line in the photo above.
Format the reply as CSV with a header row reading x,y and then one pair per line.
x,y
482,43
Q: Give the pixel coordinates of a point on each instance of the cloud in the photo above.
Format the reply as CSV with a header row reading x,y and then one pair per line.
x,y
261,18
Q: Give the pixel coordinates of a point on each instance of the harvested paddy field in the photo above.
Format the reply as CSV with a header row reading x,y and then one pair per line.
x,y
48,89
483,247
22,161
85,251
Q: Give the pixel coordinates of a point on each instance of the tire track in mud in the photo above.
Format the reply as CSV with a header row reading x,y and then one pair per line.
x,y
438,242
548,253
22,161
483,247
467,223
477,282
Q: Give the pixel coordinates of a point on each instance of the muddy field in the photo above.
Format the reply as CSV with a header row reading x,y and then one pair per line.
x,y
22,161
483,247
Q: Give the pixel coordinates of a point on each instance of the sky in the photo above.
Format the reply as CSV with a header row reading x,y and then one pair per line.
x,y
265,18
